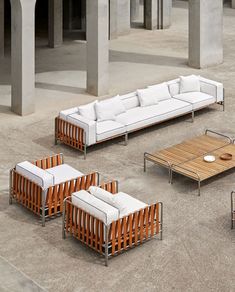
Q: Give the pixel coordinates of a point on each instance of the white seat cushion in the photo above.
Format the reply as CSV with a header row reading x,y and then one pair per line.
x,y
97,208
35,174
63,173
107,129
197,99
143,116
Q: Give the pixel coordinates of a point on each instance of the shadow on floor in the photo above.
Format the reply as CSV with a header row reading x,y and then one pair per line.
x,y
63,88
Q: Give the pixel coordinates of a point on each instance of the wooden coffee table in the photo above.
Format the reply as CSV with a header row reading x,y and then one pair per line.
x,y
187,158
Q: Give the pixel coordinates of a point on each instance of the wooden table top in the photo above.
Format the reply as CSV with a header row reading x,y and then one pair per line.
x,y
187,158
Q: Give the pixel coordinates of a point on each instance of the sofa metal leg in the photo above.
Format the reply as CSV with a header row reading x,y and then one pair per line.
x,y
56,141
85,152
63,220
10,188
144,164
126,139
193,116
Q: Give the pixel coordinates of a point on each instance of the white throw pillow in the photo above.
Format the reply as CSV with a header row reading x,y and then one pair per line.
x,y
88,110
109,108
147,97
161,91
189,84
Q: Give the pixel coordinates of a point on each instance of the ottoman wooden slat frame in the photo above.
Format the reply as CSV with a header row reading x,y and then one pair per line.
x,y
186,158
111,240
46,203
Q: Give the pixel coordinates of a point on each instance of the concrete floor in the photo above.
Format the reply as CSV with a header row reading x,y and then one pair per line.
x,y
197,253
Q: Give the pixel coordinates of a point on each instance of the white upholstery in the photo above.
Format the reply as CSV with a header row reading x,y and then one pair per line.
x,y
143,116
212,88
88,110
109,108
197,99
161,91
102,194
147,97
130,100
107,129
64,114
174,86
86,124
35,174
63,173
97,208
189,84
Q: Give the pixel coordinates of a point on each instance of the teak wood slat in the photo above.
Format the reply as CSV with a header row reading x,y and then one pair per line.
x,y
123,234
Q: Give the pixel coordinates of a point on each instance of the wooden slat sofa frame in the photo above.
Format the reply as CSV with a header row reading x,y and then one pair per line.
x,y
46,203
117,237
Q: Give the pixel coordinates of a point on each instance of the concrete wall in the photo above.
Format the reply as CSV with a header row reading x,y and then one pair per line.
x,y
124,20
205,33
2,40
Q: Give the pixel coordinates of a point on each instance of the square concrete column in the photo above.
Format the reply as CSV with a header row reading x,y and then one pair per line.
x,y
97,47
151,14
2,34
135,9
124,17
165,16
23,56
205,33
67,14
233,3
55,23
113,18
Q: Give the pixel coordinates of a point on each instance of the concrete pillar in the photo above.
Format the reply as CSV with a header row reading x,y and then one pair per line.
x,y
151,14
55,23
97,47
124,17
113,19
233,3
157,14
83,15
23,56
67,13
2,34
135,9
205,33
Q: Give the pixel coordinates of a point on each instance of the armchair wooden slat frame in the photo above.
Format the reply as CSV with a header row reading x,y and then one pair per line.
x,y
46,203
232,209
120,235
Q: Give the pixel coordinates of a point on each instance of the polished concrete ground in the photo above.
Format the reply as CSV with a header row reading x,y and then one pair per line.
x,y
197,252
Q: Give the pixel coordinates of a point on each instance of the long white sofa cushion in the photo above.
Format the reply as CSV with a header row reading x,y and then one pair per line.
x,y
212,88
35,174
97,208
89,127
63,173
197,99
122,201
130,100
107,129
140,117
64,114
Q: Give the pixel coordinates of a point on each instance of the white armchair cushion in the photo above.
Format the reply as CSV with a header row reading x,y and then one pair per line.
x,y
147,97
88,110
35,174
95,207
130,100
64,114
107,129
109,108
63,173
189,84
89,127
161,91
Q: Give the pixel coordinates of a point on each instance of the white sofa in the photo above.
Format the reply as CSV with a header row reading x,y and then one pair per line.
x,y
123,114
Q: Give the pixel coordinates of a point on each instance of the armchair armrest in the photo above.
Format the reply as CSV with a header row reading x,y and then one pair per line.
x,y
212,88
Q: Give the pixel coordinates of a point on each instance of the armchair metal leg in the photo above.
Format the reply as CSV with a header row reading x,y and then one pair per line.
x,y
10,188
44,194
232,210
85,152
63,220
106,245
144,164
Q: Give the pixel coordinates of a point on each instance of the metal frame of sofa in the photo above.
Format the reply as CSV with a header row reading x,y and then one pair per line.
x,y
77,139
120,235
46,203
232,209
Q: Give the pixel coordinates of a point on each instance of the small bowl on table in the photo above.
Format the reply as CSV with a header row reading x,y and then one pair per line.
x,y
209,158
226,156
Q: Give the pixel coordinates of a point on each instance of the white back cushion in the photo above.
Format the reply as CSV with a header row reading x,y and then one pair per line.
x,y
189,84
97,208
64,114
130,100
88,110
147,96
37,175
174,86
161,91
